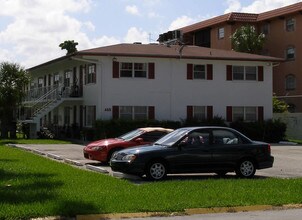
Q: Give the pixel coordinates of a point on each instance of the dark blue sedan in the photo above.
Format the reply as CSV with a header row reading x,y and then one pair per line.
x,y
195,150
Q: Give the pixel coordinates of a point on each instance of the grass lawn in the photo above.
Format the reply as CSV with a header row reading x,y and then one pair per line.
x,y
33,186
32,141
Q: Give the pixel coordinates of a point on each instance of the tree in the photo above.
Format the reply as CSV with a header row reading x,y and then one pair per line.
x,y
13,78
279,106
70,46
245,39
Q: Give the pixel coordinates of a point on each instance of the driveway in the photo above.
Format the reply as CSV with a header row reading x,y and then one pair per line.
x,y
288,163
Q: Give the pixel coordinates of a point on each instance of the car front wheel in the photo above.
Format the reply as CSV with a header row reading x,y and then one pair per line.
x,y
156,171
246,169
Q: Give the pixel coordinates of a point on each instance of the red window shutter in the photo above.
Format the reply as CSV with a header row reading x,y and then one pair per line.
x,y
209,112
151,113
229,72
209,72
189,112
115,112
151,71
115,69
260,113
189,71
260,73
229,113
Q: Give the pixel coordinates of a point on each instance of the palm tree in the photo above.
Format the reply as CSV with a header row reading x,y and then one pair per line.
x,y
13,78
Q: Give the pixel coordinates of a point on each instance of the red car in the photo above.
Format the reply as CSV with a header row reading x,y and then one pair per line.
x,y
102,150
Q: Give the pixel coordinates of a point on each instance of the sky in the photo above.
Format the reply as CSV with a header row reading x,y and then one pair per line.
x,y
31,30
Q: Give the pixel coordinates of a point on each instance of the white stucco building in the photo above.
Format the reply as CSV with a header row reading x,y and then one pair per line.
x,y
142,81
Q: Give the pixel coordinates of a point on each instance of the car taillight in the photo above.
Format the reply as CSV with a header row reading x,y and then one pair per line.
x,y
269,148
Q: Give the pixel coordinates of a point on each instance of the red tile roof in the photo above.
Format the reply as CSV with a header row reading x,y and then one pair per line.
x,y
163,51
243,17
281,11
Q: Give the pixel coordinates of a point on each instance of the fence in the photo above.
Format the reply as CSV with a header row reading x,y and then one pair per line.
x,y
293,122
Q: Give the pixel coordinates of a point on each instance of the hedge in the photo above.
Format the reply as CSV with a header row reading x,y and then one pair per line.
x,y
271,131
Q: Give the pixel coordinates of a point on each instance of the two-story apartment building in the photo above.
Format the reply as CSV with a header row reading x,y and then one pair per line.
x,y
282,28
148,81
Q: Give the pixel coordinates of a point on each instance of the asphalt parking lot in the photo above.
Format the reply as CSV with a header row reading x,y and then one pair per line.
x,y
288,163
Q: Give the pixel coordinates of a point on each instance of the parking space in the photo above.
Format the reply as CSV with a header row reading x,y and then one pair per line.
x,y
288,163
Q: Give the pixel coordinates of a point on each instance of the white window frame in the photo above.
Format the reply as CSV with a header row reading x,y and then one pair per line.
x,y
290,24
134,70
200,112
245,113
221,33
197,72
91,74
133,112
244,73
290,53
290,82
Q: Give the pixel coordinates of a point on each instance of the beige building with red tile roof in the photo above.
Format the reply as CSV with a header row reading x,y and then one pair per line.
x,y
283,30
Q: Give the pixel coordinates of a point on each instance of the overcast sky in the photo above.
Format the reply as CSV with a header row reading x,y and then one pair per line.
x,y
31,30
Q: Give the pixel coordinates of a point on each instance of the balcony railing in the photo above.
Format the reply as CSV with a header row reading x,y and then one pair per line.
x,y
37,94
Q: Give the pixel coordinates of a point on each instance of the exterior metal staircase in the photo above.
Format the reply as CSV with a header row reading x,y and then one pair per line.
x,y
38,107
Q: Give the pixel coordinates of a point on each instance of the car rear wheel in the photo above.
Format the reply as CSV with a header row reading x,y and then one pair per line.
x,y
156,170
246,169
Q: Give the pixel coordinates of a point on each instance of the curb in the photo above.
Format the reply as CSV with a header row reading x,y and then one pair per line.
x,y
73,162
193,211
97,169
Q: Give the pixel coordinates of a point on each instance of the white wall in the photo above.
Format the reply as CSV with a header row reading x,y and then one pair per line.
x,y
170,92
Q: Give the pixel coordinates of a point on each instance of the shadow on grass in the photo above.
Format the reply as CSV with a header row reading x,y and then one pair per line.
x,y
20,191
189,177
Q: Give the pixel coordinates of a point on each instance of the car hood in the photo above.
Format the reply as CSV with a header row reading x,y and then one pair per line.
x,y
105,142
143,149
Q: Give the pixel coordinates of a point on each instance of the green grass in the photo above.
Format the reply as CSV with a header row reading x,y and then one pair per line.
x,y
32,141
32,186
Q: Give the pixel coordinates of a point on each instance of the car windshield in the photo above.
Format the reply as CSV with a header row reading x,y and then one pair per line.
x,y
171,138
130,135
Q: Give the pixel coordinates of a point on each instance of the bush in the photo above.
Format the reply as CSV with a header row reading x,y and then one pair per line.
x,y
271,131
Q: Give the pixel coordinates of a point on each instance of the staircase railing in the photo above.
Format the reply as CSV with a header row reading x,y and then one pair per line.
x,y
44,101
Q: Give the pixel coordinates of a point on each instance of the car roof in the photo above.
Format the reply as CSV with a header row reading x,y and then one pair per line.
x,y
204,127
148,129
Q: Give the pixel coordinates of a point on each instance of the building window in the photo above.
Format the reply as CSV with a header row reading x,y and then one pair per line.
x,y
199,112
265,28
199,72
133,112
90,112
290,24
140,70
67,76
244,113
91,74
137,70
245,73
290,53
221,33
56,79
290,82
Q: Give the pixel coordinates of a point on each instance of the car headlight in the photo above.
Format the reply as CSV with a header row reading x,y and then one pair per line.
x,y
98,148
129,158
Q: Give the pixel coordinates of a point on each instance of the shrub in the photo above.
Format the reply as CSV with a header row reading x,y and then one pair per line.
x,y
271,131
